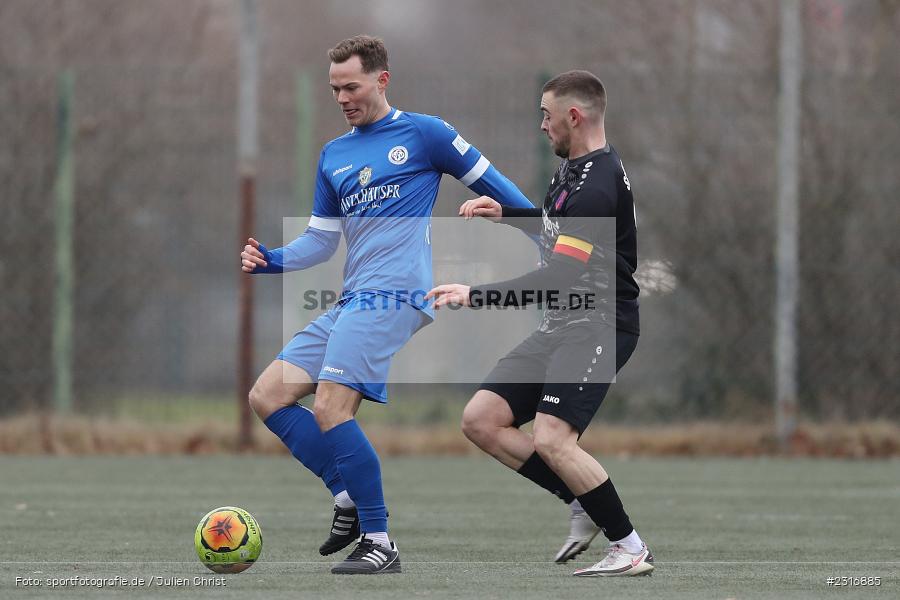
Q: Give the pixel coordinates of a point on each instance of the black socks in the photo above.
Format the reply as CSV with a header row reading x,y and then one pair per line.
x,y
537,471
603,506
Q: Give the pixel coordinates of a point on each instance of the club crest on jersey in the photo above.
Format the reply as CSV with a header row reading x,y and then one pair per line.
x,y
398,155
365,176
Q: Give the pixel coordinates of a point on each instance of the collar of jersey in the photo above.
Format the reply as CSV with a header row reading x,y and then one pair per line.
x,y
379,123
589,156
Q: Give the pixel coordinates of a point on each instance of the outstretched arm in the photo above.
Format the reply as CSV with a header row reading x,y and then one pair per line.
x,y
526,219
450,153
546,284
568,262
314,246
494,184
541,284
571,253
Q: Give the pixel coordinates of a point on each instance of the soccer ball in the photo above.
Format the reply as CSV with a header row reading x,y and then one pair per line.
x,y
228,540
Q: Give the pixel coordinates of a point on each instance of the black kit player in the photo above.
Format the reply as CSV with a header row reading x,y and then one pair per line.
x,y
589,190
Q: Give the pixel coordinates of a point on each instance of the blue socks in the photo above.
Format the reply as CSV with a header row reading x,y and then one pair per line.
x,y
361,471
296,426
342,454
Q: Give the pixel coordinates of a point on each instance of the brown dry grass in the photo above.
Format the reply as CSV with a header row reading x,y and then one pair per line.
x,y
80,435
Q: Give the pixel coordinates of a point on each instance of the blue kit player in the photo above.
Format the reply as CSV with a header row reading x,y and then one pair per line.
x,y
377,184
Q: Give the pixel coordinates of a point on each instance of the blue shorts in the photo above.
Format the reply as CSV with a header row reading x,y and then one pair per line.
x,y
353,342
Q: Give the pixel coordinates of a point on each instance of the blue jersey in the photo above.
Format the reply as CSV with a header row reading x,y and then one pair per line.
x,y
378,184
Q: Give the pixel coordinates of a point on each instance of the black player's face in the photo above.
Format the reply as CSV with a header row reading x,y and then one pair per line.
x,y
555,124
360,95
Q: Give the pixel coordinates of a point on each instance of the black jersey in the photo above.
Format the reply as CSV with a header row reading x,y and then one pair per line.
x,y
591,186
588,244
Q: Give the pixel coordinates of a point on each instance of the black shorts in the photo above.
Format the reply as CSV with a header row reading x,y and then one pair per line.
x,y
558,373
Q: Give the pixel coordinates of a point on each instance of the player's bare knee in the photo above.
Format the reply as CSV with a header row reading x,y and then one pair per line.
x,y
258,400
473,427
266,398
483,417
548,449
329,417
333,406
553,447
480,424
325,414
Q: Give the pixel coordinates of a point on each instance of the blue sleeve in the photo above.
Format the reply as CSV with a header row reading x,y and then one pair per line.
x,y
320,240
313,247
325,202
495,184
450,153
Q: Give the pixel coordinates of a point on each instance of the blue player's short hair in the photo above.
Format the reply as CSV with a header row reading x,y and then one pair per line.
x,y
370,50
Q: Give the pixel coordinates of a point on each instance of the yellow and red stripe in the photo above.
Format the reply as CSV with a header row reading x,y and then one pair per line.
x,y
571,246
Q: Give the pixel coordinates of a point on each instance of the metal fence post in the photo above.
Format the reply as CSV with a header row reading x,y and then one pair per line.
x,y
248,153
786,253
63,191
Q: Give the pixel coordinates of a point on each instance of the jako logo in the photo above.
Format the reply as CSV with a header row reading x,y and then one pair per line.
x,y
550,399
333,370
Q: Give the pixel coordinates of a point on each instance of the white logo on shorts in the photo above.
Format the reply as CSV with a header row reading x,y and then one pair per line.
x,y
333,370
550,399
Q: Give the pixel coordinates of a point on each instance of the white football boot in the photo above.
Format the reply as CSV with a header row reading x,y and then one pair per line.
x,y
619,562
582,532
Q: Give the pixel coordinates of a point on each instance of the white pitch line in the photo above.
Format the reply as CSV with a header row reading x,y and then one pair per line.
x,y
473,562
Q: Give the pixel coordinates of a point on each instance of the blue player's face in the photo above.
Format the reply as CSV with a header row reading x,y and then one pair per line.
x,y
360,95
555,124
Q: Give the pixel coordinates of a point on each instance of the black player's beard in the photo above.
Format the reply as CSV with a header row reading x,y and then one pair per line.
x,y
561,151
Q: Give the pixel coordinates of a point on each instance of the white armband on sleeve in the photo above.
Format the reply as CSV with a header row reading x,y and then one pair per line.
x,y
475,172
325,223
